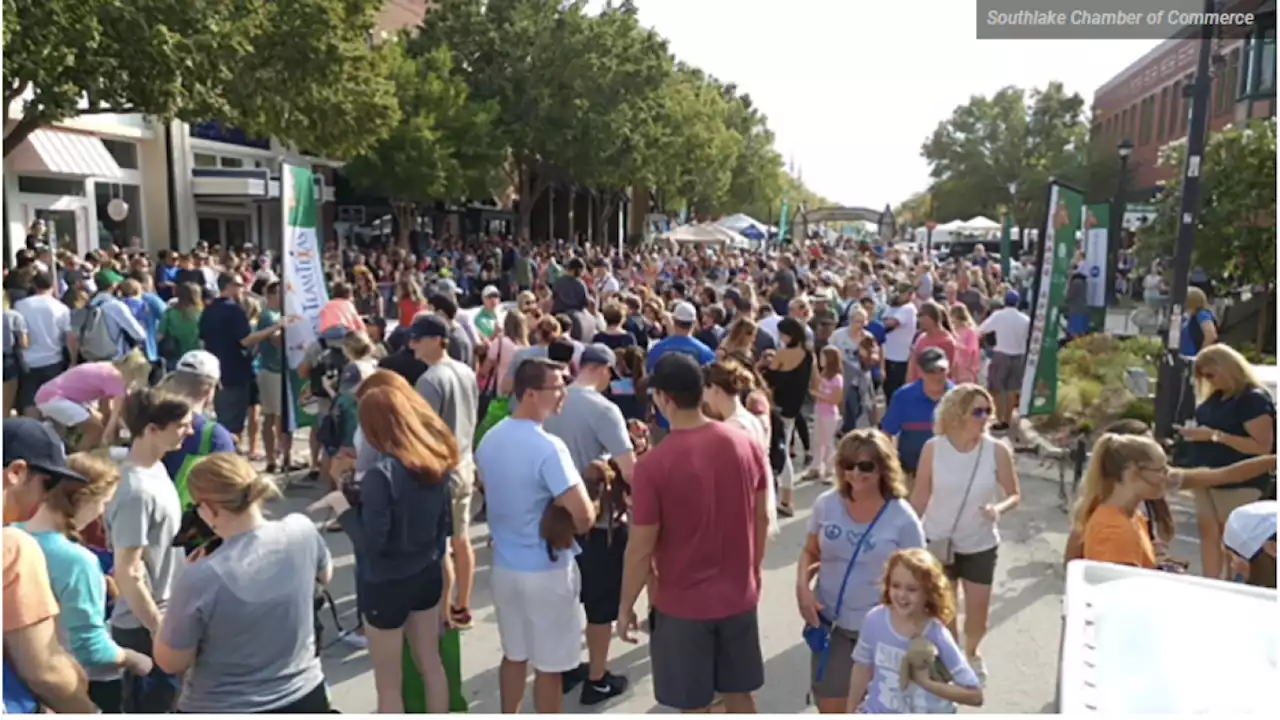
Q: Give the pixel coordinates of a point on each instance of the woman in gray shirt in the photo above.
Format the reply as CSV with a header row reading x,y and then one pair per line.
x,y
239,622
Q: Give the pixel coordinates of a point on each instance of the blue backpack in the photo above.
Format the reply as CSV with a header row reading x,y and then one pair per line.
x,y
18,698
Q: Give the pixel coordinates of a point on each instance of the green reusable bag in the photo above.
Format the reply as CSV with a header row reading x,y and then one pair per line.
x,y
414,691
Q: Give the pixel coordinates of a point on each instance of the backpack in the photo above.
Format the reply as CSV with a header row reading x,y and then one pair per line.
x,y
327,370
96,343
1197,332
193,532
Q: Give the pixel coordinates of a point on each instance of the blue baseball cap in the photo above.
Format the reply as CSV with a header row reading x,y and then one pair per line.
x,y
426,325
1012,298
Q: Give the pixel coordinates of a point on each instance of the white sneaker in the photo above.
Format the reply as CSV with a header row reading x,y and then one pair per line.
x,y
980,669
356,640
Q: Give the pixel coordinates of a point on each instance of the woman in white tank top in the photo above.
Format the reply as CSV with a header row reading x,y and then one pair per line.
x,y
727,382
966,480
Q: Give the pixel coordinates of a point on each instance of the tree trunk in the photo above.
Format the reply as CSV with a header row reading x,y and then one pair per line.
x,y
607,206
19,133
530,191
406,218
1264,321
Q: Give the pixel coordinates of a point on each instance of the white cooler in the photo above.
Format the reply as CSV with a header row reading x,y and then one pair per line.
x,y
1143,641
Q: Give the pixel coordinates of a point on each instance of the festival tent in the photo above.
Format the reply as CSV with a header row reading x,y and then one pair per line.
x,y
979,224
746,226
706,234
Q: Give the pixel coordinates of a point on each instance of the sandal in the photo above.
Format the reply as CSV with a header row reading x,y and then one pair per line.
x,y
460,617
786,511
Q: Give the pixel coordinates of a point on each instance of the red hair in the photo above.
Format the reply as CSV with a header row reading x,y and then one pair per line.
x,y
401,424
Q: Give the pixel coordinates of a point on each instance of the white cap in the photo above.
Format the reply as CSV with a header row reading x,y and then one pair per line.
x,y
202,363
1249,527
684,313
490,291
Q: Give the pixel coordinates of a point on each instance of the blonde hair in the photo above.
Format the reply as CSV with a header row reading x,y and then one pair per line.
x,y
960,315
228,482
893,481
252,308
939,601
134,367
1232,374
955,406
1196,301
67,498
357,345
1112,454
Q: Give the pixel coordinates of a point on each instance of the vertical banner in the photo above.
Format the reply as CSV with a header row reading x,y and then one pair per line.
x,y
1096,225
304,288
1057,249
784,224
1006,246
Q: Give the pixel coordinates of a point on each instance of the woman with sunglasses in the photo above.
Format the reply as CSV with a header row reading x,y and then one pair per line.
x,y
965,481
854,529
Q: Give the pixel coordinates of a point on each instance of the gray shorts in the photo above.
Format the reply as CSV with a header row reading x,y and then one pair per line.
x,y
834,682
695,659
232,407
271,392
1005,373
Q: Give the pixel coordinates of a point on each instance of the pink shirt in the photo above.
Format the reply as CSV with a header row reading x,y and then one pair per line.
x,y
340,312
829,386
968,356
941,340
84,384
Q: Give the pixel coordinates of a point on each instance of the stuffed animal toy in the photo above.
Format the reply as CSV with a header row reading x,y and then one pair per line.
x,y
921,654
556,529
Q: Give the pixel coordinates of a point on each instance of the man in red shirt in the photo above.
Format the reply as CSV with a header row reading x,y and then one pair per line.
x,y
699,517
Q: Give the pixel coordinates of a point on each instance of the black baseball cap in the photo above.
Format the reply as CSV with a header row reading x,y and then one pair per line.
x,y
36,444
932,360
427,325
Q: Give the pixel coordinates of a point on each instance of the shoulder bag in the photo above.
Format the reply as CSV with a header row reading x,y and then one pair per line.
x,y
819,638
941,548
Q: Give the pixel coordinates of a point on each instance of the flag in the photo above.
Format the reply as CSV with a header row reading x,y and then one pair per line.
x,y
304,283
1006,246
1057,250
784,224
1096,231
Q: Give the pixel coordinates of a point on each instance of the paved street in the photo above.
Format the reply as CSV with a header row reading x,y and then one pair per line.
x,y
1021,649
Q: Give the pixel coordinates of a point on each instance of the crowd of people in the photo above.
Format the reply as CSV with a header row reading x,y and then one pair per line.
x,y
626,424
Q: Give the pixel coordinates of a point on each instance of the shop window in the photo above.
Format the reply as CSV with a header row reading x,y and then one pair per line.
x,y
118,232
125,152
1164,112
203,160
232,162
50,186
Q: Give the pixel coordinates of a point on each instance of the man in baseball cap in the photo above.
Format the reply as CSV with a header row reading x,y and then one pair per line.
x,y
35,460
681,340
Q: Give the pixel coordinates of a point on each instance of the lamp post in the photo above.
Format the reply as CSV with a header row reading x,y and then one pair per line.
x,y
1124,150
1006,234
1171,405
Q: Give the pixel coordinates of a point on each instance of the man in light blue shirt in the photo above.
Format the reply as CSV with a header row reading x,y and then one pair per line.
x,y
123,326
525,471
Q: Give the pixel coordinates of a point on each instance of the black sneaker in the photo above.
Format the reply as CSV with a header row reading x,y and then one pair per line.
x,y
608,686
573,678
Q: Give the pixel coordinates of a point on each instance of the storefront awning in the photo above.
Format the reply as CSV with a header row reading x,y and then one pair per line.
x,y
59,152
244,184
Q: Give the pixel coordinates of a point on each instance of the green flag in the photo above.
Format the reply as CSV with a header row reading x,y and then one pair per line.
x,y
305,291
1006,246
784,224
1058,249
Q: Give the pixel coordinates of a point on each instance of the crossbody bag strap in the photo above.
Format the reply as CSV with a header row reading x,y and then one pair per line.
x,y
982,444
857,549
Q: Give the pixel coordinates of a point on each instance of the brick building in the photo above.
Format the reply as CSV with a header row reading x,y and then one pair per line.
x,y
1144,103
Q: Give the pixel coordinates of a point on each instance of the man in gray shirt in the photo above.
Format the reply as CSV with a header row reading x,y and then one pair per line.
x,y
593,429
450,388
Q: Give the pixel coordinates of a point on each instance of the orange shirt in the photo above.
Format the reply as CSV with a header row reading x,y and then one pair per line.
x,y
1114,537
28,597
340,312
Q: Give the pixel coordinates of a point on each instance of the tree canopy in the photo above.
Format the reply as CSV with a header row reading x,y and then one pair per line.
x,y
301,71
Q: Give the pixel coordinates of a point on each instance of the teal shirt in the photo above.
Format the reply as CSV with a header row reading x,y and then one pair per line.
x,y
81,590
270,356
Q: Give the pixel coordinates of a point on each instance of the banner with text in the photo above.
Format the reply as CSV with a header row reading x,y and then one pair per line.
x,y
1097,225
1040,376
304,283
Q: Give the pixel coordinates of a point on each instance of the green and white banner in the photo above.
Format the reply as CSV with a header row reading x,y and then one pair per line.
x,y
1096,226
304,283
784,223
1040,376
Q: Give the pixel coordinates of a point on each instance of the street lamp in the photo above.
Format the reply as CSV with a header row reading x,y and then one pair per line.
x,y
1124,149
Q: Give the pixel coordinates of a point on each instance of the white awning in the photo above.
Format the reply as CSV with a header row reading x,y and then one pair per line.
x,y
59,152
246,187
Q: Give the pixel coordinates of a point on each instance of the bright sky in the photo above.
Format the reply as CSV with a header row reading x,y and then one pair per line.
x,y
853,88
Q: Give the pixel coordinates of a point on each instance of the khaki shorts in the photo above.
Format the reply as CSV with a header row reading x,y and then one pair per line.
x,y
1218,503
461,486
270,392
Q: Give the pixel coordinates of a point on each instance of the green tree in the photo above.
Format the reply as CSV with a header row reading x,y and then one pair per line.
x,y
298,70
1011,137
442,149
1235,227
699,149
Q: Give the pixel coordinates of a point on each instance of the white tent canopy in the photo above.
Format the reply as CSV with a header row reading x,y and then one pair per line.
x,y
951,226
979,224
742,221
707,234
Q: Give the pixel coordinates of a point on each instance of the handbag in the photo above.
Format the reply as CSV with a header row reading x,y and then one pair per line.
x,y
819,638
941,548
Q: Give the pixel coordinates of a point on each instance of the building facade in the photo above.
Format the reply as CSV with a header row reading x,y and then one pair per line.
x,y
1146,103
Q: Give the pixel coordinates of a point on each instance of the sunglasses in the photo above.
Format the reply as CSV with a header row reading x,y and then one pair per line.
x,y
981,412
866,466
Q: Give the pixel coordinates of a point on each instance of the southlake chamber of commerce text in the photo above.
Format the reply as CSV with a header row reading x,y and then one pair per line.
x,y
1116,18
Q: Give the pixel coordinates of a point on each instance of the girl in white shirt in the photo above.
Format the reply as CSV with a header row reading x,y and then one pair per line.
x,y
728,383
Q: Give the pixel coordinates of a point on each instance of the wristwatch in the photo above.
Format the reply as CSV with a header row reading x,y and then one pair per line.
x,y
1215,437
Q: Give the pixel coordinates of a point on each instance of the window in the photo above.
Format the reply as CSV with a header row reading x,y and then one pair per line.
x,y
125,153
1175,101
50,186
118,232
210,230
1231,79
1132,132
1161,130
1124,124
1146,120
232,162
202,160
